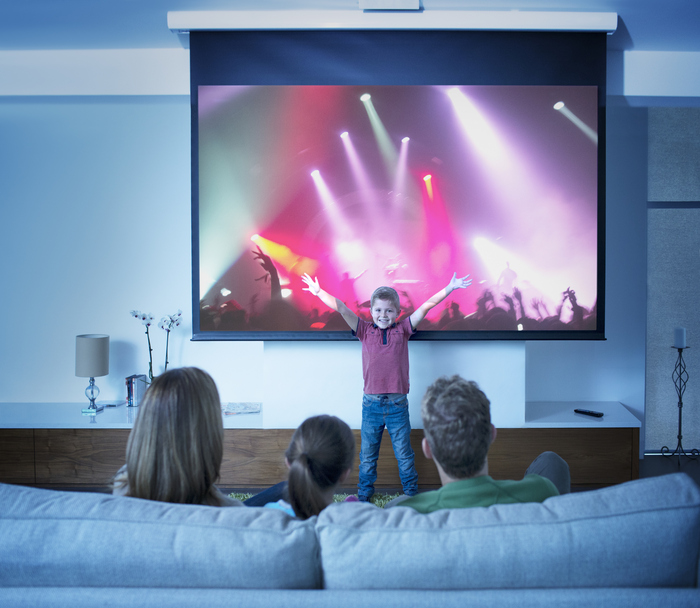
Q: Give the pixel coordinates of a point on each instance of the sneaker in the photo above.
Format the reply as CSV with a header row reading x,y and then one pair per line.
x,y
352,498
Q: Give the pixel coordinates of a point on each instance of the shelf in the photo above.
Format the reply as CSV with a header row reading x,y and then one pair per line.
x,y
70,416
560,414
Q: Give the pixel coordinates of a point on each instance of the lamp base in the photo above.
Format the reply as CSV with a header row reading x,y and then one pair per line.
x,y
91,411
91,392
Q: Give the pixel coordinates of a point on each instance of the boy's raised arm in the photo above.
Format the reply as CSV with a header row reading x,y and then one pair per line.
x,y
455,283
332,302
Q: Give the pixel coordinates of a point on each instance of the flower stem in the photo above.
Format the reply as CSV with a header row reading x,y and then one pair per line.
x,y
167,342
150,356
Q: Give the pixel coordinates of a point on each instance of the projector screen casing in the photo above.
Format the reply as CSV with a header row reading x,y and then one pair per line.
x,y
381,57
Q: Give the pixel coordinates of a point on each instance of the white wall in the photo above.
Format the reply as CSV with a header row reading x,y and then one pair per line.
x,y
308,378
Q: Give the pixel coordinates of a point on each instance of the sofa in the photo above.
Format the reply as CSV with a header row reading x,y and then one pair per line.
x,y
635,544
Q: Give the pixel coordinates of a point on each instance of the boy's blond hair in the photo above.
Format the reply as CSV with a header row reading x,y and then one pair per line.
x,y
386,293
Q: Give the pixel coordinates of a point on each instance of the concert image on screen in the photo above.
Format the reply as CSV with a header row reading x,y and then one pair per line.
x,y
362,186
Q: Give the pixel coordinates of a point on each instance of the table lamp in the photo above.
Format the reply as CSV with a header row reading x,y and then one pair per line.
x,y
92,360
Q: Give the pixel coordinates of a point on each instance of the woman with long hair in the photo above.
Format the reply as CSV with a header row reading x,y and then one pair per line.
x,y
175,448
319,457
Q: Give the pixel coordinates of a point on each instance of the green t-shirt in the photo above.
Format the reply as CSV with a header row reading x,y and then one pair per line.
x,y
482,491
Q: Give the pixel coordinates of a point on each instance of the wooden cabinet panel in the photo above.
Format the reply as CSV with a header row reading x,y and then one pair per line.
x,y
254,458
603,456
79,456
17,456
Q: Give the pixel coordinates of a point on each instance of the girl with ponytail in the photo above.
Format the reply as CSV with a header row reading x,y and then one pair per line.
x,y
319,457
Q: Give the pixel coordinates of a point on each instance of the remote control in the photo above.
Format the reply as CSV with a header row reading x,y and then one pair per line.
x,y
589,413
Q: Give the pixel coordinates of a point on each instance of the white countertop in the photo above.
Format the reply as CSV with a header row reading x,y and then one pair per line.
x,y
538,414
552,414
70,416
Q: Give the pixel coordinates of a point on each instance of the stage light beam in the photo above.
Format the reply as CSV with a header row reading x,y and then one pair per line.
x,y
478,130
359,172
400,184
428,179
330,205
284,258
386,147
560,107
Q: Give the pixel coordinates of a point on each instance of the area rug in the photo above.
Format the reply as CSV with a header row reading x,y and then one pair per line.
x,y
380,500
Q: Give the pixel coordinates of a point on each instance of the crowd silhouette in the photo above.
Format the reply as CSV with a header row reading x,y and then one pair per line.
x,y
501,308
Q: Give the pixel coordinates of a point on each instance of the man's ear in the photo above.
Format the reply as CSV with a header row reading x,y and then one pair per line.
x,y
493,434
426,448
345,475
287,462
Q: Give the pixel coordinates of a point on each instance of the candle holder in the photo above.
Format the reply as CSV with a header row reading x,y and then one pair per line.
x,y
680,379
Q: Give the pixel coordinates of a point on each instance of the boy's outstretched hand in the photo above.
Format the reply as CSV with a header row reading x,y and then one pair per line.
x,y
313,287
456,283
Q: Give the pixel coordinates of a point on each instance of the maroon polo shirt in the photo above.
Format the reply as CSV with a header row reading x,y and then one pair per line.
x,y
385,356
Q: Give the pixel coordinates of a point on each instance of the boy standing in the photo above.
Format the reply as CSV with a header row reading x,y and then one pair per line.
x,y
385,373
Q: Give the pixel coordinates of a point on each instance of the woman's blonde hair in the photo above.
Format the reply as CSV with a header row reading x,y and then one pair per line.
x,y
321,450
175,448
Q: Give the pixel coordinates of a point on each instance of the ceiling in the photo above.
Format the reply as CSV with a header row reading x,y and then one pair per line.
x,y
644,25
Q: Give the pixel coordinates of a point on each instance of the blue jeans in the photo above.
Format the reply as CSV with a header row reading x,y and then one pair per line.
x,y
377,413
553,467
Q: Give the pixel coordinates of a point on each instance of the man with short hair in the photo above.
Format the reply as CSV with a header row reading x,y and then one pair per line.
x,y
458,433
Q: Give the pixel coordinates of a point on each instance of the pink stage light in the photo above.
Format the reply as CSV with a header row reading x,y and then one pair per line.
x,y
428,179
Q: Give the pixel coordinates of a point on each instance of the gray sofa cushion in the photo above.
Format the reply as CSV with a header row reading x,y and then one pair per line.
x,y
96,540
614,537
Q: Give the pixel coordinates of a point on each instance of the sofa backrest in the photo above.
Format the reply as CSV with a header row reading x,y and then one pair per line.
x,y
643,533
66,539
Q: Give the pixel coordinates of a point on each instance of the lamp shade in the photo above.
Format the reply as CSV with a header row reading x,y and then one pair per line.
x,y
91,355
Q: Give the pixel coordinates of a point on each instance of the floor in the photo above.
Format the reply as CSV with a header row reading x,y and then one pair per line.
x,y
653,466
